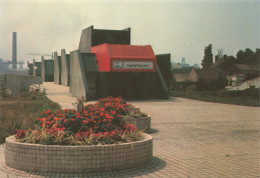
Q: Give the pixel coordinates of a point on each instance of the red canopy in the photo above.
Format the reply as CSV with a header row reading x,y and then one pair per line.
x,y
113,57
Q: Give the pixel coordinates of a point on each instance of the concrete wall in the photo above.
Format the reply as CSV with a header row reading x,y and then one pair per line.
x,y
78,82
65,65
57,68
20,84
30,68
78,159
36,68
47,70
92,37
85,40
43,69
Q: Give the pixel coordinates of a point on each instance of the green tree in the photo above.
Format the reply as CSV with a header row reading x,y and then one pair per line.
x,y
208,57
240,55
248,53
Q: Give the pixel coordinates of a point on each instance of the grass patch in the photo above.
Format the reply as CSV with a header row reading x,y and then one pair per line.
x,y
248,97
19,112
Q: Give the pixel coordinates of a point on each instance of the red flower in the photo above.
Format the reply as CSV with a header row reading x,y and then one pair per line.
x,y
63,128
65,120
72,119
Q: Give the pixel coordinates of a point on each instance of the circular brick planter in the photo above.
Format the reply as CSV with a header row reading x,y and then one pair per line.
x,y
141,123
78,159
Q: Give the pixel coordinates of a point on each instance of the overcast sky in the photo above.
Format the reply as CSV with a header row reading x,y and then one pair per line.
x,y
182,28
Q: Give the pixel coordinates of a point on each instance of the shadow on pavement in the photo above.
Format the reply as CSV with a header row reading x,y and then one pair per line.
x,y
171,99
151,131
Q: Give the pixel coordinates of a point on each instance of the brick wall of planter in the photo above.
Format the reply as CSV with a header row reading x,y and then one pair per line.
x,y
77,159
141,123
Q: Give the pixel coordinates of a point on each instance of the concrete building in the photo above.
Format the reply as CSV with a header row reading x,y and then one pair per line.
x,y
107,65
37,68
65,68
47,70
92,37
57,68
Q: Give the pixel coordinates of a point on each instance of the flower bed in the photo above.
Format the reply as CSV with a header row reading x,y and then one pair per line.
x,y
104,122
137,118
141,123
91,138
78,159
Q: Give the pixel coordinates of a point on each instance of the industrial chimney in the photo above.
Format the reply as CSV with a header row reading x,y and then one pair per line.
x,y
14,52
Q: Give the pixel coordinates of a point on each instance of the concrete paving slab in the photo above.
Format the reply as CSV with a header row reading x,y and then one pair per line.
x,y
59,94
195,139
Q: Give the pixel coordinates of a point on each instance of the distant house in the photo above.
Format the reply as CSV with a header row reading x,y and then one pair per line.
x,y
219,69
186,74
252,83
244,69
235,80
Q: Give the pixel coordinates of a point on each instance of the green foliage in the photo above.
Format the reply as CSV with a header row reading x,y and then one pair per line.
x,y
213,85
242,56
19,112
208,57
248,97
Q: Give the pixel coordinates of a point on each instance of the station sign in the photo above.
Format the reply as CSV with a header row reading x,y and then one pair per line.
x,y
140,65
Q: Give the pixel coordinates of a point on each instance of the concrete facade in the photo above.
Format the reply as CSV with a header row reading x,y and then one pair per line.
x,y
47,71
29,68
42,69
37,68
164,71
65,65
78,81
57,68
92,37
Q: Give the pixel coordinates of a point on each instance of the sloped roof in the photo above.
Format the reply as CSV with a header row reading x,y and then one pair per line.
x,y
247,67
132,51
225,62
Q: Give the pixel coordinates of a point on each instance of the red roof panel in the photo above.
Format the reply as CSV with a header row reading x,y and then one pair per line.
x,y
132,57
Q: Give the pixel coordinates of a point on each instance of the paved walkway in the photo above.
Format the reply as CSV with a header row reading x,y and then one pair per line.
x,y
194,139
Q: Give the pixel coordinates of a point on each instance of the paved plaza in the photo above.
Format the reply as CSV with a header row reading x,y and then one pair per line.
x,y
191,139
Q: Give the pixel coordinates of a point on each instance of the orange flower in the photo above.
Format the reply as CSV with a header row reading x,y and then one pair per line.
x,y
56,118
65,120
56,124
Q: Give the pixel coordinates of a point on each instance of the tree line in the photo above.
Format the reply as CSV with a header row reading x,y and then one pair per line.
x,y
242,57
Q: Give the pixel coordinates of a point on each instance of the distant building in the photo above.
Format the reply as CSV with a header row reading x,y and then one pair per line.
x,y
196,66
180,65
175,66
219,68
244,69
235,80
186,74
183,63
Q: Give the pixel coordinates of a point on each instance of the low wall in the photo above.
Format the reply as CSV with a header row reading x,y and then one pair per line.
x,y
78,159
141,123
20,84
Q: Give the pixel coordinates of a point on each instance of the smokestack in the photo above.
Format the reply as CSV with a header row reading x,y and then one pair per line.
x,y
14,52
